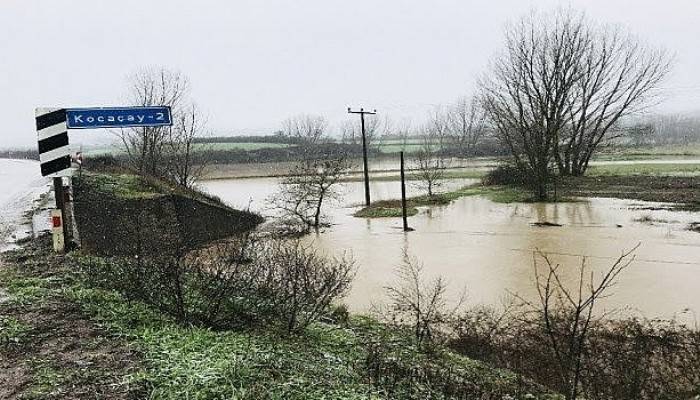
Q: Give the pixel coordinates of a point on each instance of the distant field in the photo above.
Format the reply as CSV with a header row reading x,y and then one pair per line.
x,y
240,146
200,146
395,148
645,169
665,150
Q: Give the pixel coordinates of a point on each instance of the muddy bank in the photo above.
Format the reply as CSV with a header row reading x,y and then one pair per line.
x,y
125,215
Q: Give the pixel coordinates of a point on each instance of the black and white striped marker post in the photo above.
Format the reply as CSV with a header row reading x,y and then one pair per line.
x,y
54,157
52,132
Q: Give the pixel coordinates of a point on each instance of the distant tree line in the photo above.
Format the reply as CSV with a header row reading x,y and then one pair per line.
x,y
20,154
662,129
277,137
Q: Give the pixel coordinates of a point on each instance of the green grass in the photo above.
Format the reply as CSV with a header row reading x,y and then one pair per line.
x,y
12,331
198,363
497,194
384,212
126,186
327,361
395,148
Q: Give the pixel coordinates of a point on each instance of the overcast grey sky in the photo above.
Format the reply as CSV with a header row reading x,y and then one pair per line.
x,y
254,63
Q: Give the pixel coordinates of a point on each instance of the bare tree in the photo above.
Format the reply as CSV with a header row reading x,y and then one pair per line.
x,y
560,87
430,163
375,130
466,124
567,313
311,183
419,304
164,151
183,165
437,127
306,129
145,146
617,77
525,95
403,130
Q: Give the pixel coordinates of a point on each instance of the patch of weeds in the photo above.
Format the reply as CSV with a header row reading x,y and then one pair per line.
x,y
47,381
497,194
384,212
648,219
12,332
24,290
120,185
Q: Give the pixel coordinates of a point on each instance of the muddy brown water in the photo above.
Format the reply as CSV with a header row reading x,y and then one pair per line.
x,y
487,248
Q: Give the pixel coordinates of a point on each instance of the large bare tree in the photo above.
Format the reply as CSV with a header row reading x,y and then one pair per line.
x,y
560,87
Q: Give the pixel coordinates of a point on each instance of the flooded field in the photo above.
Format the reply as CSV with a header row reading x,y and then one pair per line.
x,y
22,184
487,248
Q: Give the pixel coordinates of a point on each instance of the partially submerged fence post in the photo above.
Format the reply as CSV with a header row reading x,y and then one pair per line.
x,y
403,197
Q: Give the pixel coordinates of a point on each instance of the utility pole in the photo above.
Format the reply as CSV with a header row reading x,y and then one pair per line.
x,y
362,113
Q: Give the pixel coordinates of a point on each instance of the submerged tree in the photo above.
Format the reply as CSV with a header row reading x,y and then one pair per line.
x,y
561,86
313,180
430,163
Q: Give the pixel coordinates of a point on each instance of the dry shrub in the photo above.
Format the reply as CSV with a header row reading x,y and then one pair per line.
x,y
418,303
235,283
561,342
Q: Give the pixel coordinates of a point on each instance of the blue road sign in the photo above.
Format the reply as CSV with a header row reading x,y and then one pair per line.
x,y
117,117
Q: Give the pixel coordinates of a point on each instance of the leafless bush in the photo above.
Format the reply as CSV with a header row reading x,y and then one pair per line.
x,y
418,304
566,315
480,330
237,282
430,165
303,283
563,343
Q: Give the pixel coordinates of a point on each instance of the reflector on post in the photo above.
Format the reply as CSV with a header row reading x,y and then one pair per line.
x,y
57,231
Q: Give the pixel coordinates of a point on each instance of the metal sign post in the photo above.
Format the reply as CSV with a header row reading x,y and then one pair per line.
x,y
52,126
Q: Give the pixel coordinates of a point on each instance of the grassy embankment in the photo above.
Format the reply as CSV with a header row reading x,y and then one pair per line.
x,y
60,337
678,184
